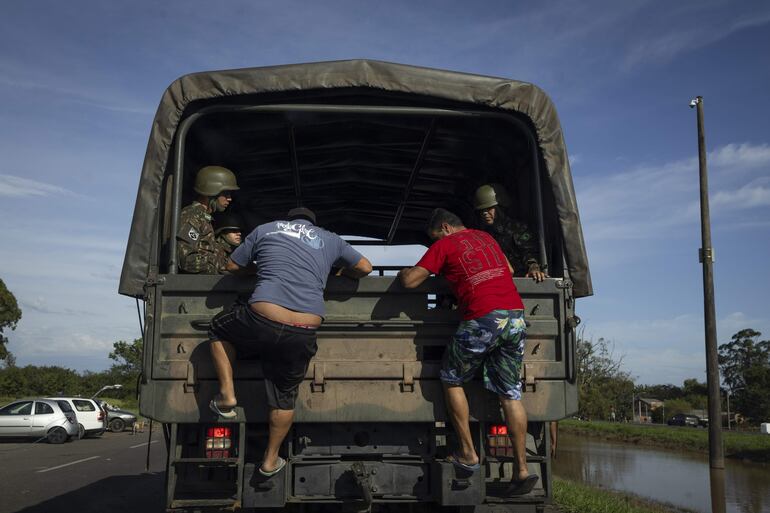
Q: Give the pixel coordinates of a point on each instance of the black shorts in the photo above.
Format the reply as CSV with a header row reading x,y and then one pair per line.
x,y
285,350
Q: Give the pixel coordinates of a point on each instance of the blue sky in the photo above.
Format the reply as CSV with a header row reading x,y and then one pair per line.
x,y
80,82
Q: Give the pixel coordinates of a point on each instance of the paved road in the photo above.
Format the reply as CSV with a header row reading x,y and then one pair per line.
x,y
90,475
93,475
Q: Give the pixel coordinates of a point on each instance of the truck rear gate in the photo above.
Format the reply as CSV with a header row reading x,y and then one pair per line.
x,y
371,394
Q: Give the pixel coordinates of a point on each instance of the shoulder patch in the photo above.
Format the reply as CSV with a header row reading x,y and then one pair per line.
x,y
193,233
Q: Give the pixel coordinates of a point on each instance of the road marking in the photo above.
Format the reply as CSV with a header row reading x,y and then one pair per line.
x,y
67,464
145,443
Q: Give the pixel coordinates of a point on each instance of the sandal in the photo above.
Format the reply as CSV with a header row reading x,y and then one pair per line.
x,y
281,465
463,466
227,413
522,486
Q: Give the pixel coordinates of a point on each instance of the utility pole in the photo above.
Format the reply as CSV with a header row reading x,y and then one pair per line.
x,y
706,254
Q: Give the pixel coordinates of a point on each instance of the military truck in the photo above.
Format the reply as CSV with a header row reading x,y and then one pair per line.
x,y
372,148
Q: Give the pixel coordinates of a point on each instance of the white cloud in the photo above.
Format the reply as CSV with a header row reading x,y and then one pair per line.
x,y
685,36
656,201
741,156
748,196
16,186
668,350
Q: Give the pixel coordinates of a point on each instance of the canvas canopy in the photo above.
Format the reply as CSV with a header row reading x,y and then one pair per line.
x,y
354,166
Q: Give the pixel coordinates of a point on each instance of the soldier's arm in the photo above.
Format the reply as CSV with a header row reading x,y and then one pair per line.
x,y
528,248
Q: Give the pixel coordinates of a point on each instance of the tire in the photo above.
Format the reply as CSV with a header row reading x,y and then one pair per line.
x,y
57,436
117,425
81,432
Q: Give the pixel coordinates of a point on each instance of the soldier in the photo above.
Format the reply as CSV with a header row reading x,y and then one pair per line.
x,y
514,237
228,227
197,249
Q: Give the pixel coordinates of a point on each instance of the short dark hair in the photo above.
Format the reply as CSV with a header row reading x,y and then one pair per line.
x,y
440,216
301,213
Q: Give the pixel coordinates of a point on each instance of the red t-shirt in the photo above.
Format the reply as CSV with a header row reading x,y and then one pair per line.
x,y
475,267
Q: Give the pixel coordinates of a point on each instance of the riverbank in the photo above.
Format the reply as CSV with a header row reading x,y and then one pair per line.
x,y
572,497
754,447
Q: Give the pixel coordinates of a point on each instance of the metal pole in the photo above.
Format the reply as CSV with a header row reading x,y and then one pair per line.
x,y
716,448
728,411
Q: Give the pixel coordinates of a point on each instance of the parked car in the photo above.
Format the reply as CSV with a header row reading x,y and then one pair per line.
x,y
52,419
92,417
117,419
682,419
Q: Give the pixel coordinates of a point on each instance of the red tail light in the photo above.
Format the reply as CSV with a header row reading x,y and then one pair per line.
x,y
100,415
498,442
218,442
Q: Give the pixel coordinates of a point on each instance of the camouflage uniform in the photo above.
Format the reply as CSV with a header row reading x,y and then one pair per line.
x,y
517,242
197,249
224,248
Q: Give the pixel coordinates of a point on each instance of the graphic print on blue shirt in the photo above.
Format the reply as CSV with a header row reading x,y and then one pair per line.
x,y
303,232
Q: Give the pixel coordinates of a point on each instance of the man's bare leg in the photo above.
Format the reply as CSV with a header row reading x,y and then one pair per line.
x,y
280,423
516,419
457,408
223,354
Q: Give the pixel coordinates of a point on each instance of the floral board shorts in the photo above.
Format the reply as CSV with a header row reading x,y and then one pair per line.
x,y
494,341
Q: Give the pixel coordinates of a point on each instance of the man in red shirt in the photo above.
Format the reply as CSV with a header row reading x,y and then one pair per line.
x,y
491,334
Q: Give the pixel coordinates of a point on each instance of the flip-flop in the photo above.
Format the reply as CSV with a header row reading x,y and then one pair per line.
x,y
463,466
227,413
522,486
281,465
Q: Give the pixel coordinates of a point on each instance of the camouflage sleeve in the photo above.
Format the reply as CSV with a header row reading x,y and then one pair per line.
x,y
526,244
195,255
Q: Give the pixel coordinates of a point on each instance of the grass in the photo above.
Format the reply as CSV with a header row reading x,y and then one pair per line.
x,y
750,446
572,497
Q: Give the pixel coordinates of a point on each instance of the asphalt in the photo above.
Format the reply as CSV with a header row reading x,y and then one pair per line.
x,y
93,475
88,475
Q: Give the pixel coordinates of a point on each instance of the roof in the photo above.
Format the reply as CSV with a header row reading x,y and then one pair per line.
x,y
420,85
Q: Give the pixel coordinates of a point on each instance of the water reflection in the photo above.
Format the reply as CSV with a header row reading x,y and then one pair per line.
x,y
676,477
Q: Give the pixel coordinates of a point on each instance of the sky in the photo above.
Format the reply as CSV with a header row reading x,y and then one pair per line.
x,y
80,82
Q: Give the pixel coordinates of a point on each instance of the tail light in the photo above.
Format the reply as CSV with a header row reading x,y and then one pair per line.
x,y
218,442
100,415
71,417
498,442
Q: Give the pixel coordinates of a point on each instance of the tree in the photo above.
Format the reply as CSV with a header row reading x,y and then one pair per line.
x,y
10,314
128,356
128,366
745,366
603,384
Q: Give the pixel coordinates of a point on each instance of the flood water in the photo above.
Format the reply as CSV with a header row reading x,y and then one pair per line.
x,y
679,478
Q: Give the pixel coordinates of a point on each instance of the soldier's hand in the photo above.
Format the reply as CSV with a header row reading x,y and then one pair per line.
x,y
537,274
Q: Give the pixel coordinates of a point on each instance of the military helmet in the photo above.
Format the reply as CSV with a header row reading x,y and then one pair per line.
x,y
213,180
227,221
490,195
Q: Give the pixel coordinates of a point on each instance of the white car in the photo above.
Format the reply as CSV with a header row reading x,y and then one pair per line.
x,y
92,419
39,418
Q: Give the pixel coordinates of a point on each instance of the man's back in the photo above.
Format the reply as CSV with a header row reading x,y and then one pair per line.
x,y
477,270
293,261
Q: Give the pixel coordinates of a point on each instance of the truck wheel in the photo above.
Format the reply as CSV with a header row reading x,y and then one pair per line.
x,y
117,425
57,436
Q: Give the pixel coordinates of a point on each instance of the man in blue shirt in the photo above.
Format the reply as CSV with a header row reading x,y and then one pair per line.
x,y
293,258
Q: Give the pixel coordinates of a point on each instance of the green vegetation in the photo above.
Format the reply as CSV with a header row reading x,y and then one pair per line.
x,y
41,381
572,497
604,386
737,445
10,314
745,366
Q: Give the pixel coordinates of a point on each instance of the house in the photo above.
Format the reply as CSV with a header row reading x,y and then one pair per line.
x,y
643,408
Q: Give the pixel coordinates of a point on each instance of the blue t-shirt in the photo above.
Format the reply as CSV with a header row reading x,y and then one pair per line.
x,y
293,262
